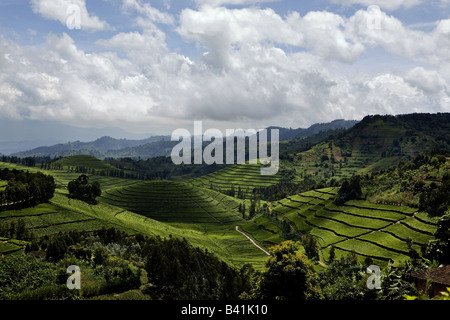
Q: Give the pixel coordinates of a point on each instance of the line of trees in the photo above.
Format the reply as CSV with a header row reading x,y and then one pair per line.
x,y
27,161
25,188
158,268
17,230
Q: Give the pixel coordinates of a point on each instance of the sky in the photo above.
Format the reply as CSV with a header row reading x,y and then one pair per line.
x,y
155,66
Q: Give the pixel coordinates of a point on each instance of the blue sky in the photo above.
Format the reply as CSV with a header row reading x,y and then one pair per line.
x,y
154,66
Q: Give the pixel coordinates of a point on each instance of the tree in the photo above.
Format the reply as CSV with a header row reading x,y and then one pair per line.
x,y
290,275
439,249
83,190
252,210
21,230
96,190
436,201
100,255
56,250
311,246
350,190
332,254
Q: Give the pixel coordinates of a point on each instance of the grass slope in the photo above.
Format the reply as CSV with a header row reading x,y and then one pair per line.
x,y
84,161
376,143
370,230
206,218
172,202
244,176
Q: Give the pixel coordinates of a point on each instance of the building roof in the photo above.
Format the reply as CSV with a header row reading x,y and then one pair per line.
x,y
439,275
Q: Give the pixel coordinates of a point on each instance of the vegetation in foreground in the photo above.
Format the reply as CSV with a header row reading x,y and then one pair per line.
x,y
113,262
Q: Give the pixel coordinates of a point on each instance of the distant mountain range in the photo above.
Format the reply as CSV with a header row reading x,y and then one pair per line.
x,y
108,147
288,134
105,147
22,135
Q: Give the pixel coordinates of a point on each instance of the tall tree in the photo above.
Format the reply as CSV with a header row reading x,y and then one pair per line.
x,y
290,275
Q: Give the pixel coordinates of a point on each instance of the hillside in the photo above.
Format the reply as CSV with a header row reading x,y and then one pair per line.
x,y
100,148
82,163
403,135
107,147
318,160
289,134
407,182
370,230
375,143
235,179
402,176
172,202
207,219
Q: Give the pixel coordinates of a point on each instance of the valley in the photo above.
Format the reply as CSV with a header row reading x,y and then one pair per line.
x,y
241,217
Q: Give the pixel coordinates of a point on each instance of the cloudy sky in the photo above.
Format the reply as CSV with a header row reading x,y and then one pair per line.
x,y
154,66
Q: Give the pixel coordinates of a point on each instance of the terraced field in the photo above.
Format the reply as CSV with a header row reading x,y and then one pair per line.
x,y
47,219
63,177
10,246
370,230
245,176
198,211
172,202
84,161
205,217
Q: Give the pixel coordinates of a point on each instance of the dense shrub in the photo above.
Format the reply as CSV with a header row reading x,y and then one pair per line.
x,y
21,273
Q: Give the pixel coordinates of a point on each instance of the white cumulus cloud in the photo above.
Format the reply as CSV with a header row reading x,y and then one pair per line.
x,y
257,68
231,2
383,4
66,10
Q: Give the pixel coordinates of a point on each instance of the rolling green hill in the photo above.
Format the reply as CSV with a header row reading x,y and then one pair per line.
x,y
83,161
243,177
373,144
207,219
370,230
408,181
190,209
171,202
376,143
204,207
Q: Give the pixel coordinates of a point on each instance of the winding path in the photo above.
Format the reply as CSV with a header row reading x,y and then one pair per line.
x,y
252,241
